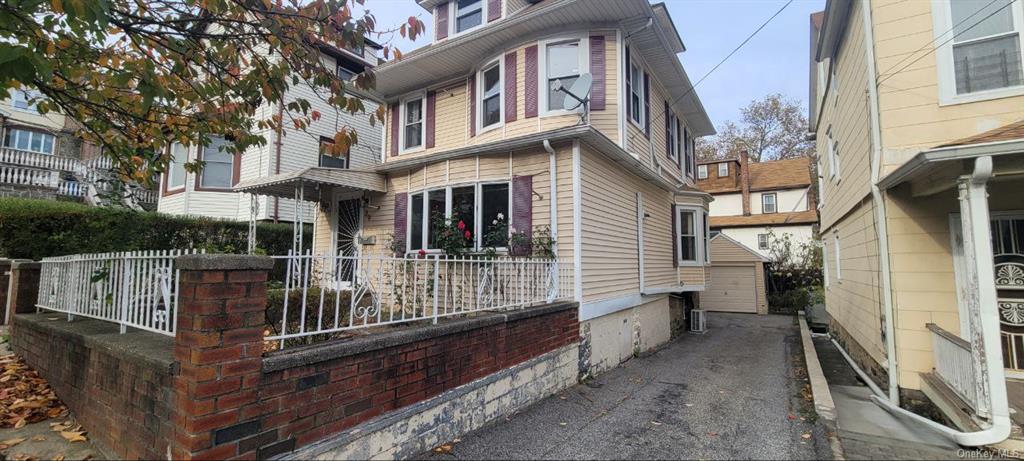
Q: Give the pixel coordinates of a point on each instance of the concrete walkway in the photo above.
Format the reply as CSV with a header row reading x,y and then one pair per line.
x,y
735,392
865,430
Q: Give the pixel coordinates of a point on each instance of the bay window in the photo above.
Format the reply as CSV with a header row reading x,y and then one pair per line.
x,y
564,63
692,236
490,95
985,51
483,210
218,168
176,167
30,140
412,124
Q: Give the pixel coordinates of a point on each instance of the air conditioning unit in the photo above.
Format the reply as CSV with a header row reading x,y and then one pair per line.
x,y
698,321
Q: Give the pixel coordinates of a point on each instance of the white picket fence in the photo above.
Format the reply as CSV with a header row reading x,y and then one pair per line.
x,y
321,294
136,289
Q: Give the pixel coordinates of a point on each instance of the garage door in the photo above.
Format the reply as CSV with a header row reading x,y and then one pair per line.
x,y
731,290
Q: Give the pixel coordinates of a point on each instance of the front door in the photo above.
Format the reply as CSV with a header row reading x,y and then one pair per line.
x,y
350,221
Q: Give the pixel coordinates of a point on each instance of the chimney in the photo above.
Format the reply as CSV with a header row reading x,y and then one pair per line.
x,y
745,182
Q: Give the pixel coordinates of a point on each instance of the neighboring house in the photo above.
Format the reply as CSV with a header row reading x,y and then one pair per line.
x,y
922,218
737,282
476,128
41,158
289,151
754,201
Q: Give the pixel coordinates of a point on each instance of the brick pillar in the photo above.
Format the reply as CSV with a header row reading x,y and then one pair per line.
x,y
219,346
23,289
745,181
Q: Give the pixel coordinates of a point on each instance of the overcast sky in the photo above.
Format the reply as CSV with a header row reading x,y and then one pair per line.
x,y
775,61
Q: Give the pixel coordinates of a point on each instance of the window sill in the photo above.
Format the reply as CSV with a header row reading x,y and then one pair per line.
x,y
175,191
485,129
980,96
411,150
213,189
691,264
635,123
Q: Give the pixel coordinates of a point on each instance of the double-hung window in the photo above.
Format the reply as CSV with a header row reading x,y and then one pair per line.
x,y
563,63
490,95
768,204
468,14
723,169
692,236
983,54
176,167
483,210
833,155
702,172
636,94
688,150
218,170
839,268
673,136
330,159
24,100
345,73
412,123
762,241
30,140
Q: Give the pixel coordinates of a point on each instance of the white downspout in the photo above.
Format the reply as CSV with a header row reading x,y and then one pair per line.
x,y
878,200
553,174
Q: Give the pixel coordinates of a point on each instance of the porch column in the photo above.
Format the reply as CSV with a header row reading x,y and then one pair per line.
x,y
254,207
980,291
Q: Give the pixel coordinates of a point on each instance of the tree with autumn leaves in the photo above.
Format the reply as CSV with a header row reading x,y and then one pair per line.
x,y
137,75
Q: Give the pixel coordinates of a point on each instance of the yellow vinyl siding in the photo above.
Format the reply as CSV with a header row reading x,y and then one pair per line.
x,y
659,270
910,114
452,120
692,275
849,119
610,260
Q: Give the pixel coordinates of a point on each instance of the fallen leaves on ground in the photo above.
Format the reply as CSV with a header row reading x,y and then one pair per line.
x,y
10,443
25,397
69,430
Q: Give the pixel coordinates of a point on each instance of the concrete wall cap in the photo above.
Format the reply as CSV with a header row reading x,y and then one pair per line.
x,y
222,262
25,264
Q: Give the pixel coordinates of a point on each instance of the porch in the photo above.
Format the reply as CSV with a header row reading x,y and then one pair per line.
x,y
956,223
54,176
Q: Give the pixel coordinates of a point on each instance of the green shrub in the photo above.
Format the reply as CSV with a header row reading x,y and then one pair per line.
x,y
35,229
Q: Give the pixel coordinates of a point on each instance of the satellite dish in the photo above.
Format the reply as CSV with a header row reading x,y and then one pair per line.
x,y
578,94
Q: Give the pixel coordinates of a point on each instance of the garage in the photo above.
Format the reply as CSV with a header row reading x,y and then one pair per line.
x,y
737,279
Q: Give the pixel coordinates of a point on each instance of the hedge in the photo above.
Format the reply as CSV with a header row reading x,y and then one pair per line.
x,y
36,229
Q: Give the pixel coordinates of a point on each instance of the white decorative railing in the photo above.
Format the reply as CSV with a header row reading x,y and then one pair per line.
x,y
954,364
28,176
36,160
317,296
133,289
71,188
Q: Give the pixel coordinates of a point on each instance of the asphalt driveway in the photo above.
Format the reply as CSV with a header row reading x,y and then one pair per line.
x,y
733,393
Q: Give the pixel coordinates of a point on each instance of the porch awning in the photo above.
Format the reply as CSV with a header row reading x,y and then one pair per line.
x,y
314,180
936,169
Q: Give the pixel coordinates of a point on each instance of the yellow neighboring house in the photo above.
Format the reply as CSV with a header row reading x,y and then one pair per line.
x,y
477,128
918,112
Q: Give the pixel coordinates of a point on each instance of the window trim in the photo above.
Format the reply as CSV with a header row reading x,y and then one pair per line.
x,y
839,260
824,263
700,226
703,167
402,102
638,89
453,16
26,95
235,170
477,213
689,148
11,128
500,64
674,142
765,242
720,165
321,154
942,23
833,155
167,188
775,202
542,70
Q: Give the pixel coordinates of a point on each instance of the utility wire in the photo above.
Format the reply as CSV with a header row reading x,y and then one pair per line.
x,y
945,42
726,58
926,45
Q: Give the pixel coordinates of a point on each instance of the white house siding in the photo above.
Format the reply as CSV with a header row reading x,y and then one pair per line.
x,y
748,235
727,205
786,201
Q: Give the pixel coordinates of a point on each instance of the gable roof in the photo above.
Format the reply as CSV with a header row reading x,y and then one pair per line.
x,y
745,252
770,219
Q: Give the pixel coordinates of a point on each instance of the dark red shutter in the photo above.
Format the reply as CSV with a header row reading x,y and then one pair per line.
x,y
431,106
597,92
401,212
472,105
629,85
511,98
531,82
675,238
522,205
441,28
647,105
394,130
668,132
493,10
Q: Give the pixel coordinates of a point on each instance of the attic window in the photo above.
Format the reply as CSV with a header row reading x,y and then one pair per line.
x,y
702,172
468,14
723,169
